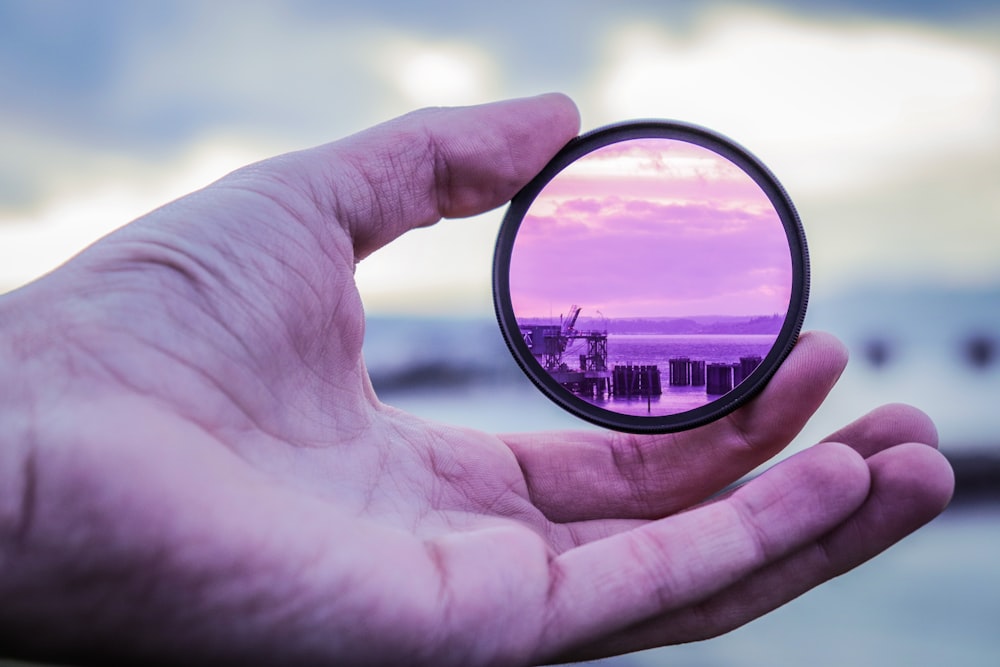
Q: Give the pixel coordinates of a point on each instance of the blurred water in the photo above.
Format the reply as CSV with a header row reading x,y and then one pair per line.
x,y
933,599
936,348
933,348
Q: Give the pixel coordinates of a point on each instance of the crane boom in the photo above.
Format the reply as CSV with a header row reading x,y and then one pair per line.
x,y
570,321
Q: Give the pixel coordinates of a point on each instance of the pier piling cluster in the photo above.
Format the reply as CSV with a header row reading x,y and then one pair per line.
x,y
643,381
717,378
630,380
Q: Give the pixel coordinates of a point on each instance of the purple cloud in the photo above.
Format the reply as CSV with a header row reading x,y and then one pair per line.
x,y
704,240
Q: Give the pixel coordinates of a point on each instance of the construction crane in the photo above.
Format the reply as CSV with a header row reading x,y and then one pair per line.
x,y
548,343
570,320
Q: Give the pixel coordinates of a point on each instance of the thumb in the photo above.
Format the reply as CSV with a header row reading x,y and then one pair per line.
x,y
434,163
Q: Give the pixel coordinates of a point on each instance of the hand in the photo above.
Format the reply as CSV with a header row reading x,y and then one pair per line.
x,y
194,467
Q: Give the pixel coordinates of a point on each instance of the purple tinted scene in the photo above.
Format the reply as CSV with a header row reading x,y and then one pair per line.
x,y
650,276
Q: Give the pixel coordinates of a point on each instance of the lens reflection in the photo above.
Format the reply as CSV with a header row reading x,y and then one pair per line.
x,y
650,277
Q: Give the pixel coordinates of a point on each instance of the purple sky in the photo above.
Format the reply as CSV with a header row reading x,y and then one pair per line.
x,y
650,228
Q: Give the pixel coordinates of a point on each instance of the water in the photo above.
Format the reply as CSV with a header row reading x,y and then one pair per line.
x,y
925,332
674,400
658,348
932,600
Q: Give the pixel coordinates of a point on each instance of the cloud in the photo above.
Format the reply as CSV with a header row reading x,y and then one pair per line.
x,y
111,107
646,258
941,227
99,199
437,73
883,130
830,104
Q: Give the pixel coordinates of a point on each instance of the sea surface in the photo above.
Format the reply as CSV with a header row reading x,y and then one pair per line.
x,y
932,600
659,348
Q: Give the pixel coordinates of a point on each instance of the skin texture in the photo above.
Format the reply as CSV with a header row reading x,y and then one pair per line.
x,y
194,467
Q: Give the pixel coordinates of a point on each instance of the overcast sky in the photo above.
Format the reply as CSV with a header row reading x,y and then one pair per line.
x,y
651,228
879,117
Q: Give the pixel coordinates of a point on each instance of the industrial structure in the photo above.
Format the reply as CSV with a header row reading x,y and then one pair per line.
x,y
550,342
590,377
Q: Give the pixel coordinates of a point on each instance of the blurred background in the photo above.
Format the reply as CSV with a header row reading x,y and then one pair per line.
x,y
881,118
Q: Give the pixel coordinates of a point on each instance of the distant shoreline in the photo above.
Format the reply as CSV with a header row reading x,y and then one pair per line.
x,y
701,325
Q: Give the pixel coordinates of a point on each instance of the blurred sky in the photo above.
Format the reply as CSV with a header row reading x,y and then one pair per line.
x,y
882,118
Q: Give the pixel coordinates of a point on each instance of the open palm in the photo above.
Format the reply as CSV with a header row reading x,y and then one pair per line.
x,y
194,467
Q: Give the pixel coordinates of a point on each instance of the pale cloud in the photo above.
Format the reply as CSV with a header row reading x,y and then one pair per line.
x,y
939,228
437,73
35,240
829,104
